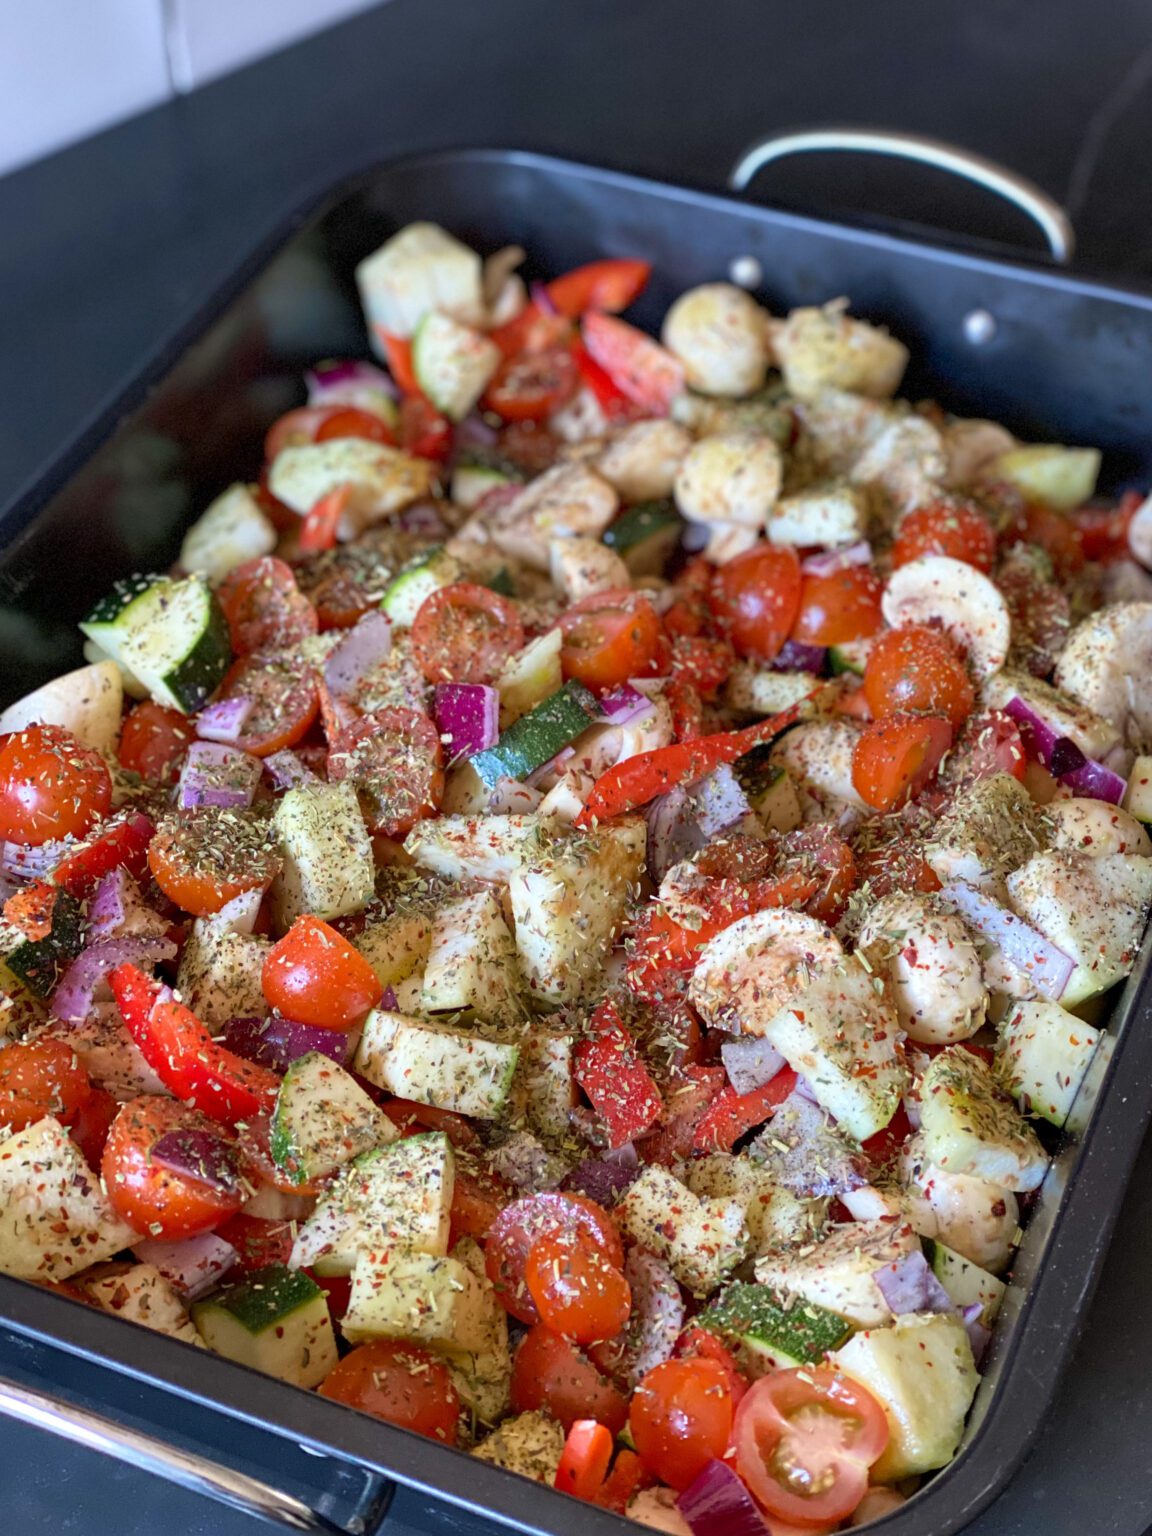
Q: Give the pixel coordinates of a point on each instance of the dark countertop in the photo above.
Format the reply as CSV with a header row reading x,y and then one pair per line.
x,y
106,247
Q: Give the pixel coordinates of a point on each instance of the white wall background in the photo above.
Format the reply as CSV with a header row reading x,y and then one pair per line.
x,y
71,67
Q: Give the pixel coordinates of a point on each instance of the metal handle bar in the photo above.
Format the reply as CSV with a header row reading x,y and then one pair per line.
x,y
82,1427
1043,210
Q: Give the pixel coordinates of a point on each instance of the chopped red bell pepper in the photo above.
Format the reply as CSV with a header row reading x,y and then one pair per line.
x,y
614,403
687,1097
624,1482
638,366
611,1072
584,1460
318,531
632,783
123,841
730,1114
398,352
31,910
609,285
184,1055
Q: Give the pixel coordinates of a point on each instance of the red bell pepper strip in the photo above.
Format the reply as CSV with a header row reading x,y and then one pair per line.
x,y
608,285
731,1114
624,1482
688,1097
632,783
318,531
609,1068
183,1054
644,370
584,1460
120,842
398,352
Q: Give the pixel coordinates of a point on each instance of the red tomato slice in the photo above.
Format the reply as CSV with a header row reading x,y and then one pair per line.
x,y
584,1460
315,976
895,758
284,699
1104,530
478,1197
611,637
148,1196
699,1343
949,527
394,760
1054,532
264,606
840,608
525,1221
639,367
320,526
153,742
804,1442
532,385
756,597
51,787
548,1373
609,285
465,633
352,421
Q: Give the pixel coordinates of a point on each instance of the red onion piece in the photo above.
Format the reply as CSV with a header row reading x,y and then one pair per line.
x,y
750,1062
224,720
390,1002
474,432
673,831
423,519
199,1155
352,383
657,1317
604,1179
833,560
286,770
362,649
76,992
278,1042
538,292
193,1266
695,536
1062,757
27,863
219,775
718,801
241,912
716,1503
116,910
623,704
979,1336
1023,946
468,715
797,656
909,1285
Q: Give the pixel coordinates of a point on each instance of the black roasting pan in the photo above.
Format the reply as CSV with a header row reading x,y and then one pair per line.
x,y
1051,355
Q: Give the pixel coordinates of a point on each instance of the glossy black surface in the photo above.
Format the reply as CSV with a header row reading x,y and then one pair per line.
x,y
101,250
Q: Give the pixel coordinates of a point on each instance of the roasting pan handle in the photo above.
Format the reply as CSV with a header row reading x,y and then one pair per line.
x,y
96,1433
1043,210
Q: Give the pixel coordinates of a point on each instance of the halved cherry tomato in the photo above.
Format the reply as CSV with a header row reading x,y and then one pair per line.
x,y
1104,530
609,285
584,1460
399,1383
757,597
314,975
284,701
687,709
895,758
38,1078
259,1166
51,787
393,759
398,354
918,670
153,741
90,1122
947,527
804,1442
352,421
549,1373
816,852
422,430
531,331
532,385
465,633
577,1292
839,608
732,1115
121,842
896,867
681,1418
150,1197
700,1344
322,522
343,588
478,1197
264,607
296,427
257,1242
639,367
184,1055
201,861
527,1220
990,743
611,637
1055,532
